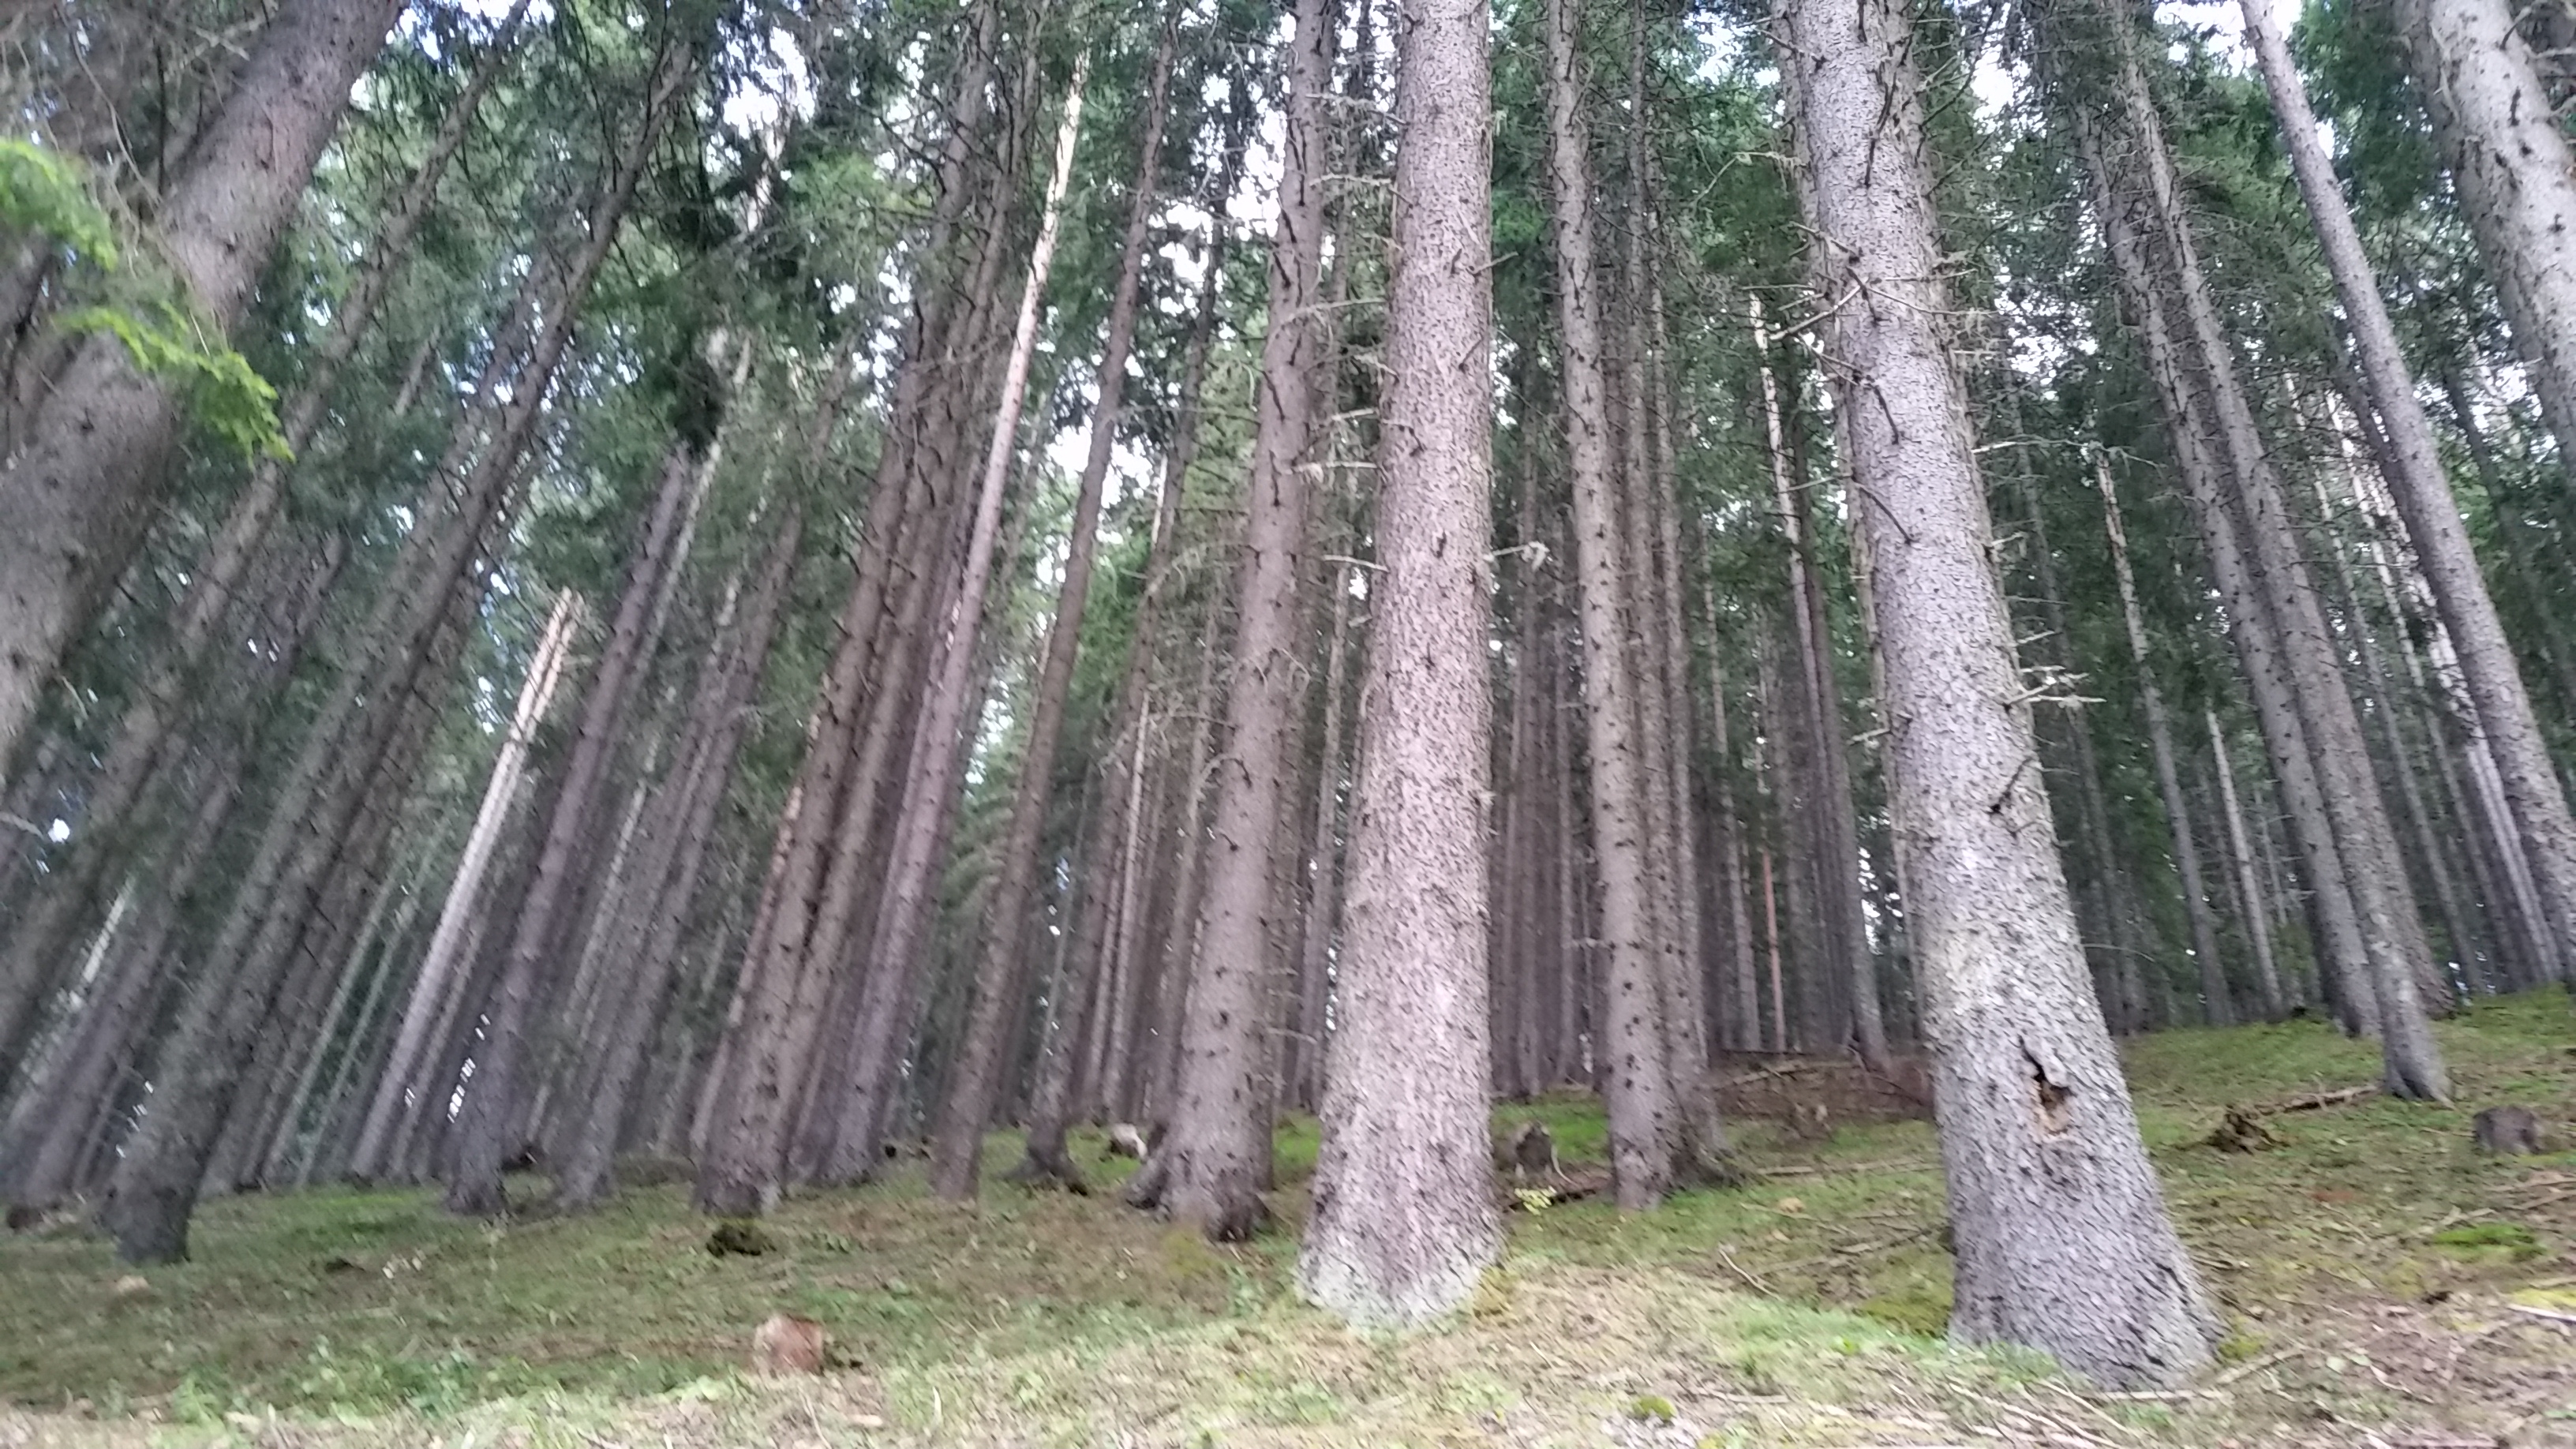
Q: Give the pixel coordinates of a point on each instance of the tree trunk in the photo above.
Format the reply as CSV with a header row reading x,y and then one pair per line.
x,y
2252,903
1405,1223
583,1178
2204,930
434,981
2515,171
975,1078
2460,30
2063,1242
1216,1155
158,701
482,1126
76,498
1646,1137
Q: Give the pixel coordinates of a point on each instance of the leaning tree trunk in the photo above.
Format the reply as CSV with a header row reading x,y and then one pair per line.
x,y
2063,1242
975,1078
2515,171
2195,901
75,500
1405,1223
2545,325
435,980
1213,1162
583,1178
158,703
482,1128
922,827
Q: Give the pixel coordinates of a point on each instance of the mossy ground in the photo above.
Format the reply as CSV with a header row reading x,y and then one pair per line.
x,y
2377,1276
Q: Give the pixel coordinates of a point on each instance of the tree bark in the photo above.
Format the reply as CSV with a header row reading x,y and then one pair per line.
x,y
1216,1155
975,1078
2252,903
1646,1137
2515,171
1405,1223
75,499
2414,470
2063,1242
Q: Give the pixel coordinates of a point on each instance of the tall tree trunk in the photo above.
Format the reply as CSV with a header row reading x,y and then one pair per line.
x,y
2252,903
1215,1158
908,912
158,701
1405,1223
2413,465
2515,171
2332,877
2063,1242
482,1127
998,987
2195,901
434,981
751,1100
582,1178
1646,1131
76,498
415,625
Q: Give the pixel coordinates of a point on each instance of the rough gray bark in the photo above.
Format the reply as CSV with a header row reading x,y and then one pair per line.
x,y
1216,1156
2413,465
74,500
1645,1124
2515,171
2062,1237
1405,1222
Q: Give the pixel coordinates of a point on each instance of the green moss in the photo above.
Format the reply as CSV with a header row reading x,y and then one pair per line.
x,y
1651,1409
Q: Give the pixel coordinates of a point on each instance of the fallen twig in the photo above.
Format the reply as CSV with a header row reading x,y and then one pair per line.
x,y
2251,1367
2551,1314
1831,1169
1739,1271
2315,1100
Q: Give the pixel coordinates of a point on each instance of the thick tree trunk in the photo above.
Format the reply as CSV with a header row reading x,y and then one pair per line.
x,y
2063,1242
1405,1223
75,499
158,702
2473,69
2515,171
1216,1156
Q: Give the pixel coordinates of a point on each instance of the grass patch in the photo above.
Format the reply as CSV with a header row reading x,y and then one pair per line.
x,y
1805,1308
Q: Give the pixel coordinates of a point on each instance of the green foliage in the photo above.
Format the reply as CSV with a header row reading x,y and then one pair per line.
x,y
42,191
229,397
145,309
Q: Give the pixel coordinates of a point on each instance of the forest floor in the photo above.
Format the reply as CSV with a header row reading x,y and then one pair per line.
x,y
2383,1285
